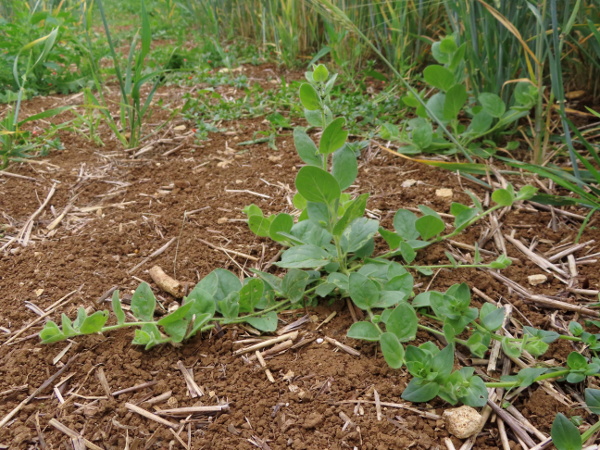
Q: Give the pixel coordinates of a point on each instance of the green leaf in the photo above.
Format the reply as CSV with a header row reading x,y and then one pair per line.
x,y
546,336
424,299
67,326
353,211
334,136
314,118
304,257
405,224
448,45
392,350
266,323
344,167
576,361
575,328
435,106
443,362
358,234
309,232
320,73
480,123
199,321
408,252
403,322
439,53
220,283
250,294
456,97
492,104
324,289
363,291
491,317
81,316
51,333
502,197
565,435
317,185
202,302
94,323
175,324
475,394
402,284
439,77
511,349
365,331
478,343
429,226
143,303
592,400
229,307
294,284
281,223
422,133
526,192
525,377
319,213
252,210
299,202
340,280
117,309
392,239
309,97
260,225
306,148
420,390
526,95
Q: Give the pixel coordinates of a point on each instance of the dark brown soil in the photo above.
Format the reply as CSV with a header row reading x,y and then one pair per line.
x,y
118,210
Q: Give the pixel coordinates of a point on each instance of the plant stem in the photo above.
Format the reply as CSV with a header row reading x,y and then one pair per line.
x,y
546,376
125,325
440,333
467,224
590,432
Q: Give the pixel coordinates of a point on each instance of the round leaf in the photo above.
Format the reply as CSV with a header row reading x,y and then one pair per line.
x,y
334,136
403,322
321,73
309,97
565,435
317,185
365,331
439,77
492,104
392,350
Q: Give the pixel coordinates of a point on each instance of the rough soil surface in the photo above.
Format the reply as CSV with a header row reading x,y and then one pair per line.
x,y
115,210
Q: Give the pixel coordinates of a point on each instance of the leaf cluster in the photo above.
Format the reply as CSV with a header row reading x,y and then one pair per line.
x,y
487,114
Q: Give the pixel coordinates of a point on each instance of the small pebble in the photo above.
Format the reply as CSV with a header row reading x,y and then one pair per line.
x,y
462,422
444,193
534,280
319,340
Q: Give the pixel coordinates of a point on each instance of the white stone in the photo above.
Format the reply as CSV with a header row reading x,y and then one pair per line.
x,y
444,193
462,422
534,280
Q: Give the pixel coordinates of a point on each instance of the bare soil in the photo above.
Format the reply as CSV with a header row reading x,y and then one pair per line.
x,y
110,211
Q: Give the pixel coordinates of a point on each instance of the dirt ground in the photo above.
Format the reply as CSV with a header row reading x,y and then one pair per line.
x,y
93,217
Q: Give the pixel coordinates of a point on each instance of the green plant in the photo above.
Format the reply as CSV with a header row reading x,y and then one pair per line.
x,y
132,110
220,292
332,245
565,435
63,69
488,115
330,252
17,143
